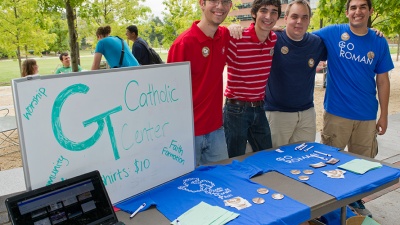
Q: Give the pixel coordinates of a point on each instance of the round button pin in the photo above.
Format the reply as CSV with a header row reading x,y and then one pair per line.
x,y
262,191
308,172
258,200
277,196
304,177
295,172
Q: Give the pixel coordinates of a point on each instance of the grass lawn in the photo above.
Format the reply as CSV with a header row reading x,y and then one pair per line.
x,y
393,50
47,65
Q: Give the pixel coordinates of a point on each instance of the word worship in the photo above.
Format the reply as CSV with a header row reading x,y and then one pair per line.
x,y
35,101
152,97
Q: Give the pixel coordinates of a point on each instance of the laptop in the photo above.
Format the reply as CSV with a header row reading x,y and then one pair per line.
x,y
78,200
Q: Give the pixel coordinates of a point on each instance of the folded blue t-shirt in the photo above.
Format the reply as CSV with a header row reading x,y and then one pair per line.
x,y
213,185
287,158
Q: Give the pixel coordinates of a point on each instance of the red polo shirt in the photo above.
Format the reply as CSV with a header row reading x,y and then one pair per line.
x,y
207,57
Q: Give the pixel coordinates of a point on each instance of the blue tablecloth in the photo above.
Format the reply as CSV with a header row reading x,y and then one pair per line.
x,y
287,158
213,185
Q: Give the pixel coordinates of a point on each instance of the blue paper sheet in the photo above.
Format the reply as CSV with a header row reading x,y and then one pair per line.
x,y
291,159
213,185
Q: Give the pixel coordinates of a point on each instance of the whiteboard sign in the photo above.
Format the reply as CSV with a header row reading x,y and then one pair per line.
x,y
134,125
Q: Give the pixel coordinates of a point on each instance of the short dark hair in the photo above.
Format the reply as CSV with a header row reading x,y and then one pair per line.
x,y
133,29
63,54
369,3
257,4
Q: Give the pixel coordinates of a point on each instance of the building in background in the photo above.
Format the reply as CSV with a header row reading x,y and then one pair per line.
x,y
242,13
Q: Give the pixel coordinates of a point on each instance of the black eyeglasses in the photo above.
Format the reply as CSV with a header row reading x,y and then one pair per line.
x,y
222,2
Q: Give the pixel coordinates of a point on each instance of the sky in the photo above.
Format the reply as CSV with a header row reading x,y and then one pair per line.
x,y
156,7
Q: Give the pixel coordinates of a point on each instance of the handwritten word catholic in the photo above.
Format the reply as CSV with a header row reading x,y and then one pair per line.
x,y
35,101
175,153
57,166
150,98
195,185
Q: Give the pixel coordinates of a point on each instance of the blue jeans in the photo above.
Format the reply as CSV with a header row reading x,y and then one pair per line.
x,y
210,147
245,123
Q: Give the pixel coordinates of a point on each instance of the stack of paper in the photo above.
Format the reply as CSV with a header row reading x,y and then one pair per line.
x,y
360,166
204,214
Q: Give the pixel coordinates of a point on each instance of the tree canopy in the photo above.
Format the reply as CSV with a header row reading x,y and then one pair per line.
x,y
59,25
386,15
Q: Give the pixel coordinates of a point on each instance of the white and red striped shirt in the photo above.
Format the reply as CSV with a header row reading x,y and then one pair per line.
x,y
249,64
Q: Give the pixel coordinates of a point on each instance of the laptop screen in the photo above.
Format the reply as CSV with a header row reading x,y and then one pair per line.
x,y
79,200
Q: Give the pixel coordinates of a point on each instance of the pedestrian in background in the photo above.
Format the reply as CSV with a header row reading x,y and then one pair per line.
x,y
29,67
115,50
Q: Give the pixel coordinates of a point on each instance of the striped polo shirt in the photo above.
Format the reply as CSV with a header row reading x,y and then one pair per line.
x,y
249,64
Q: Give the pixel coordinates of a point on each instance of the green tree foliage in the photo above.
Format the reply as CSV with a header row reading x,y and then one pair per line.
x,y
117,13
156,44
156,24
69,8
178,17
386,15
60,29
23,27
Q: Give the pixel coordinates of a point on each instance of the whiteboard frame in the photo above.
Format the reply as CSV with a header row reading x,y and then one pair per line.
x,y
18,111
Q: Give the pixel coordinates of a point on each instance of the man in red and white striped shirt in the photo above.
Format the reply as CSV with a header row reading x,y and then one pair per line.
x,y
249,62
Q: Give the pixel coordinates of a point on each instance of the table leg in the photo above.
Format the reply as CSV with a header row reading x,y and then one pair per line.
x,y
343,215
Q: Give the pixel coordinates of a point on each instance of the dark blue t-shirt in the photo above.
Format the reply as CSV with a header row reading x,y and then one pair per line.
x,y
290,87
140,52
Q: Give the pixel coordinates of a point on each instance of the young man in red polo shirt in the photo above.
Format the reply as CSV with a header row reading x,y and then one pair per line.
x,y
204,46
249,63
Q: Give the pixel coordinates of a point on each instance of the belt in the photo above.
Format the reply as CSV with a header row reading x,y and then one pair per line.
x,y
244,103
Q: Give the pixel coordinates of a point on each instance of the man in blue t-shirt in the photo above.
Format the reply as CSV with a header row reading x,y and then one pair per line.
x,y
359,62
111,47
289,96
356,58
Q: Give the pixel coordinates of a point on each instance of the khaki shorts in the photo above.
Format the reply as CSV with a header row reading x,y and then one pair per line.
x,y
292,127
358,136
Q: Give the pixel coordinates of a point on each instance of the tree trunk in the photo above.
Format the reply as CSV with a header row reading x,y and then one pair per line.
x,y
72,35
18,45
398,47
26,51
19,59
